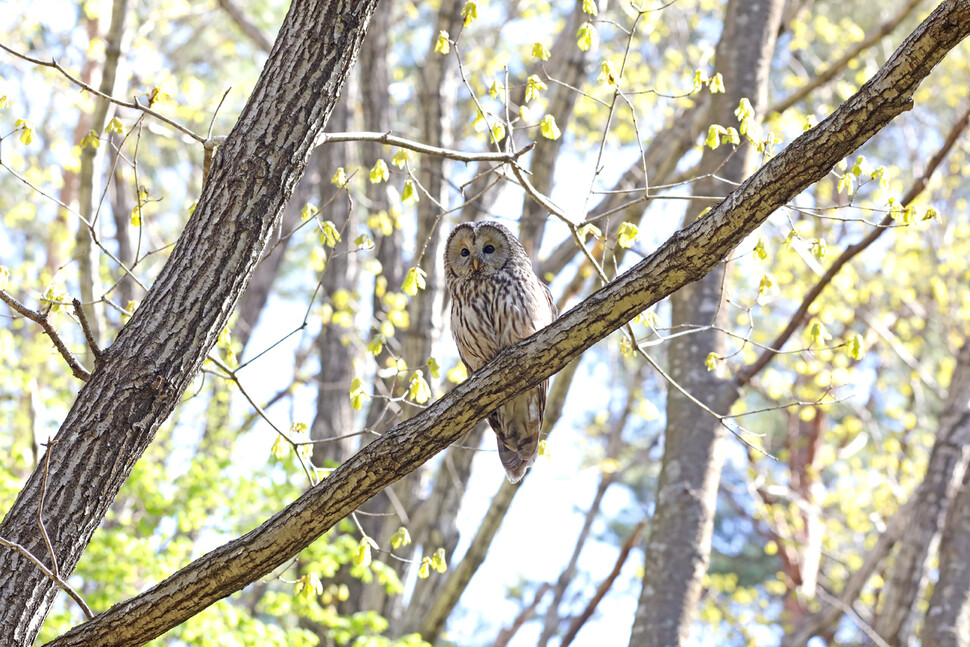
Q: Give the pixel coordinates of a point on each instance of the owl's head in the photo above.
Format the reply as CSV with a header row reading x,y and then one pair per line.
x,y
480,249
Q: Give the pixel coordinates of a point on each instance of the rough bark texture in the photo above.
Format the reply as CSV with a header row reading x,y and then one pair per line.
x,y
679,545
686,257
947,622
155,356
948,461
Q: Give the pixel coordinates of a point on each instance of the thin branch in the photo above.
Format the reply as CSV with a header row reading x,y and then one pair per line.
x,y
506,634
604,586
41,319
134,105
88,333
393,140
64,586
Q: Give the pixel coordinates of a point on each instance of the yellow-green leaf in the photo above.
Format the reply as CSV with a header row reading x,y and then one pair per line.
x,y
710,363
819,248
627,235
419,390
401,538
401,157
280,447
379,172
585,36
539,52
329,235
606,75
533,86
495,89
549,128
433,367
469,12
761,249
855,347
114,127
357,394
498,132
818,332
362,557
442,45
339,177
589,6
716,86
90,140
4,102
438,561
409,195
27,134
414,280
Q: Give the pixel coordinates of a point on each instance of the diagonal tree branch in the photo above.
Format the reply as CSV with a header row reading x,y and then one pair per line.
x,y
686,257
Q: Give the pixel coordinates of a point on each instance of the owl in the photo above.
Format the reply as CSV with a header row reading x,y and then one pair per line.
x,y
497,301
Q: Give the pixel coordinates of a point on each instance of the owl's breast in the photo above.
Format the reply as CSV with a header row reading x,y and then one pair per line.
x,y
474,323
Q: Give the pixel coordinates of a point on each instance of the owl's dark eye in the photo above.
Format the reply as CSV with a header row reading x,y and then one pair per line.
x,y
465,252
488,249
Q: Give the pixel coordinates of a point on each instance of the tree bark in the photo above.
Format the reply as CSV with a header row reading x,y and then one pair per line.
x,y
947,622
944,471
679,544
145,371
686,257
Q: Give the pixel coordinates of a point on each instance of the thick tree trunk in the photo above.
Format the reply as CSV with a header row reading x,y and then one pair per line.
x,y
334,414
679,545
947,622
155,356
948,461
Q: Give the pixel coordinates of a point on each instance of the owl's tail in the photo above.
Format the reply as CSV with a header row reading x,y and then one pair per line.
x,y
517,461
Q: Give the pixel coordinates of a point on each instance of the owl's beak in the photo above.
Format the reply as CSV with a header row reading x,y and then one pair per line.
x,y
476,263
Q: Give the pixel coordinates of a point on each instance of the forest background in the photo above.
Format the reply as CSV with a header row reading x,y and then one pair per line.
x,y
774,454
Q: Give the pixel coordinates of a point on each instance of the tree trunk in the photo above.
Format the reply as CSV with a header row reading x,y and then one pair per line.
x,y
679,545
947,622
944,471
155,356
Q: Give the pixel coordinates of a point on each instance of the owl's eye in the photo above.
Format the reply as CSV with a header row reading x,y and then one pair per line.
x,y
488,249
465,252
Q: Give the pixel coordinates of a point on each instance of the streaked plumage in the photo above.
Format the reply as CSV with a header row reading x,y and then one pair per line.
x,y
497,301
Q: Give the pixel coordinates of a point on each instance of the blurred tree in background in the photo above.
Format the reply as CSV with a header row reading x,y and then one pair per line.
x,y
774,454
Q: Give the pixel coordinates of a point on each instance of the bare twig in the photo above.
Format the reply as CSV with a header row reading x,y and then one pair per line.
x,y
134,105
53,574
41,319
393,140
88,333
64,586
604,586
505,635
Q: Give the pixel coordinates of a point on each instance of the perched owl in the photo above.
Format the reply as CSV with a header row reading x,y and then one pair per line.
x,y
497,301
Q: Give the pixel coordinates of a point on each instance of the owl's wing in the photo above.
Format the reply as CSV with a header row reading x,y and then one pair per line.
x,y
549,300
